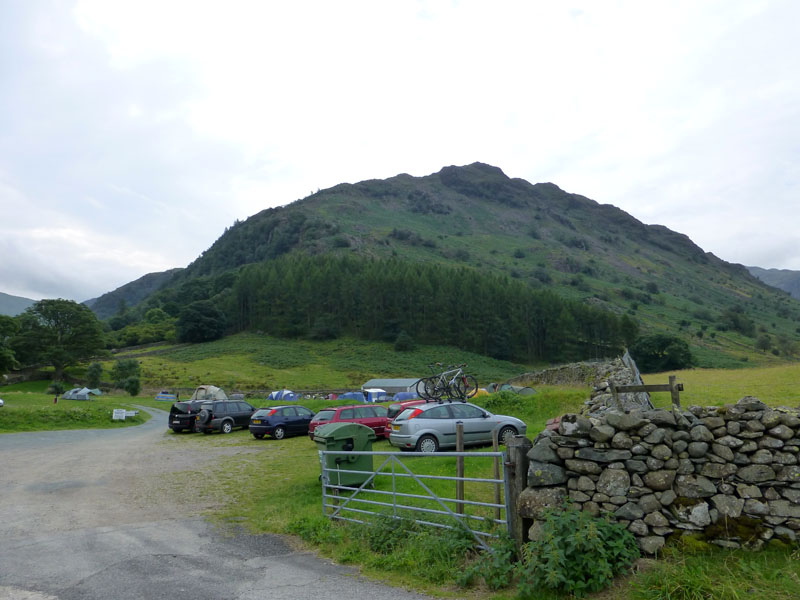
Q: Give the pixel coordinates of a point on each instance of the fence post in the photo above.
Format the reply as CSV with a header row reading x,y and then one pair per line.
x,y
517,448
673,390
460,467
496,448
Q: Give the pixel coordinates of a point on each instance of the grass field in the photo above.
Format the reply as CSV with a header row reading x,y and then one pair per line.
x,y
276,488
28,407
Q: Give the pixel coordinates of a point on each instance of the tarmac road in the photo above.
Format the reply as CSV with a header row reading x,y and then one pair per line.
x,y
83,516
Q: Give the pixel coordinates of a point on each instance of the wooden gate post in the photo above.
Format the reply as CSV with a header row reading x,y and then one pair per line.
x,y
517,448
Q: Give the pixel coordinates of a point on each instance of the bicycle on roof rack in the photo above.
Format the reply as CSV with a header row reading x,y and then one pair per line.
x,y
449,384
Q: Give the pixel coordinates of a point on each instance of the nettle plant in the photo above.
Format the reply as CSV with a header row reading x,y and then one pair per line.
x,y
576,553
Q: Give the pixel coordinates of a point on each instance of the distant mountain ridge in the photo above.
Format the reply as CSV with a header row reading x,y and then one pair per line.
x,y
13,305
131,294
783,279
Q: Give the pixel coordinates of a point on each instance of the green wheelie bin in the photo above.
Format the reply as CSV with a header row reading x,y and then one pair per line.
x,y
346,436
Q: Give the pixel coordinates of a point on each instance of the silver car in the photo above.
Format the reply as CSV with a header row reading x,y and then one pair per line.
x,y
428,427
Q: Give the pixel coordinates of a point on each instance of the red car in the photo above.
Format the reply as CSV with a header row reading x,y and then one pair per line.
x,y
397,407
372,415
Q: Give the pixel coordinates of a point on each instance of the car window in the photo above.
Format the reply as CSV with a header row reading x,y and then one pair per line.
x,y
324,415
394,410
364,412
261,413
439,412
403,416
347,413
304,412
182,407
380,410
466,411
289,411
220,408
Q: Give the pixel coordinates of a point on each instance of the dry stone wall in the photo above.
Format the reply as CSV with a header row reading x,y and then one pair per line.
x,y
730,474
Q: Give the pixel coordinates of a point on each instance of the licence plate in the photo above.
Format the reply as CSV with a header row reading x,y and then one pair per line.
x,y
395,427
256,421
176,422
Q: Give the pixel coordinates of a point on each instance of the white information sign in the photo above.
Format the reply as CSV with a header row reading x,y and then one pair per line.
x,y
119,414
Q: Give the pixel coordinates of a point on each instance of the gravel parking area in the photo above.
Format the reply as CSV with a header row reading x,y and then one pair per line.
x,y
91,514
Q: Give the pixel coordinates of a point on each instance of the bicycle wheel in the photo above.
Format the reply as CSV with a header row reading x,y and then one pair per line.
x,y
421,388
433,389
465,387
470,385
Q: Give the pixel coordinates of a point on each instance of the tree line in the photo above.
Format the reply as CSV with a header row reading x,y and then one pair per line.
x,y
326,296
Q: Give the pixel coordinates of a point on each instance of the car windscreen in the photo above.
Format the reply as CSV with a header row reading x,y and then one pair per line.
x,y
261,413
394,410
324,415
181,407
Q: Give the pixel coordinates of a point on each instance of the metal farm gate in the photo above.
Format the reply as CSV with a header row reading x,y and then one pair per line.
x,y
397,496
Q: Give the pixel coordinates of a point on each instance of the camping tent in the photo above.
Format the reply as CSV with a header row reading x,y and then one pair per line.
x,y
356,396
166,396
400,396
375,395
283,396
209,392
507,387
81,394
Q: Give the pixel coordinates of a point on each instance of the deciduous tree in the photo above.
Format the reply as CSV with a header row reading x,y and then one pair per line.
x,y
58,332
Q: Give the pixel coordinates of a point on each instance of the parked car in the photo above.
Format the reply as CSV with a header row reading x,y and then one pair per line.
x,y
397,407
280,421
1,402
373,416
223,415
183,415
431,426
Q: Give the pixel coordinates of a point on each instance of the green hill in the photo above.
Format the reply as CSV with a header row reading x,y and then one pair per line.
x,y
783,279
478,220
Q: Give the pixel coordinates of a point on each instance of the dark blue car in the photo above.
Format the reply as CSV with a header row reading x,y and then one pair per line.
x,y
280,421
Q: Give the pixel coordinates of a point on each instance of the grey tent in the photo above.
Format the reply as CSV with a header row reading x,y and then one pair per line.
x,y
81,394
209,392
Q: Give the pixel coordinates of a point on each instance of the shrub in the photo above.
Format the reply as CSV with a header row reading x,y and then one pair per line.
x,y
123,370
57,388
132,385
93,374
496,568
575,553
660,352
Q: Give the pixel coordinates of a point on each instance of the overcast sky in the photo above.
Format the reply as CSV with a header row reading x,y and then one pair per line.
x,y
133,133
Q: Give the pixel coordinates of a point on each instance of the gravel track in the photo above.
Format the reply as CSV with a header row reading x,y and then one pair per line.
x,y
91,514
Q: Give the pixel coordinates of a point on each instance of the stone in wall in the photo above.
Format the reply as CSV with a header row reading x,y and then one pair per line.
x,y
731,473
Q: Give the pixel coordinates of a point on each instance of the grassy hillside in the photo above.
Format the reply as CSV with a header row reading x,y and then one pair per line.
x,y
783,279
477,218
251,361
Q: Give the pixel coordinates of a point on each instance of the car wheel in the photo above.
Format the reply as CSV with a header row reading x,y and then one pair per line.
x,y
427,443
226,427
279,433
505,434
258,436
